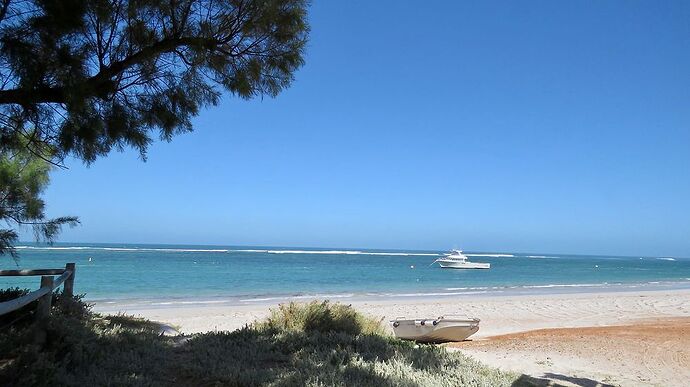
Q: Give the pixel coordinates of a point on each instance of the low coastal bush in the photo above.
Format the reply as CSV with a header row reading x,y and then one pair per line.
x,y
314,344
80,348
320,316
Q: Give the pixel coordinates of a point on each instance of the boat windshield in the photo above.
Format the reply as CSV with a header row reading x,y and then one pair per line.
x,y
456,254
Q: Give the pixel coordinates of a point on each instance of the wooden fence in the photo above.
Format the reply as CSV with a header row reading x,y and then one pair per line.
x,y
44,295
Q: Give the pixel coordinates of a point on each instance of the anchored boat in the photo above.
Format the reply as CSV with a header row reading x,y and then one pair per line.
x,y
439,330
457,260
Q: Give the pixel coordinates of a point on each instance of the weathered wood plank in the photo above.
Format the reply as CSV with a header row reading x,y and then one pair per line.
x,y
68,290
63,278
44,303
7,273
12,305
44,294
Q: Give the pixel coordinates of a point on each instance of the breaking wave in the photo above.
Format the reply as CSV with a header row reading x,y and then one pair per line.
x,y
91,248
491,255
183,250
334,252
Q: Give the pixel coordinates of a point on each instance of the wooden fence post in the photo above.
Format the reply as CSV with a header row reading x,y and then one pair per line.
x,y
43,311
44,303
68,290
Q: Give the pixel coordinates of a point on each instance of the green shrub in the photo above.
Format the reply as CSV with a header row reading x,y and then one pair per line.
x,y
12,293
80,348
321,316
314,344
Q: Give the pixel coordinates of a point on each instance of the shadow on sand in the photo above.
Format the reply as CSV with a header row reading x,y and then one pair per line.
x,y
551,379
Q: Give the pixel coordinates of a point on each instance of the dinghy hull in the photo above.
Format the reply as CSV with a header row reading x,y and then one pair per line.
x,y
438,330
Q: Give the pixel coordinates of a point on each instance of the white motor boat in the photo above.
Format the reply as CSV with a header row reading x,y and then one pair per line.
x,y
439,330
457,260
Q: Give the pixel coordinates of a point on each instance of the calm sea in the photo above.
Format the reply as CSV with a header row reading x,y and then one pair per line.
x,y
164,274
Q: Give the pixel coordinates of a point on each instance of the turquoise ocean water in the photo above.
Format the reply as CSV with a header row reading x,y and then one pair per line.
x,y
164,274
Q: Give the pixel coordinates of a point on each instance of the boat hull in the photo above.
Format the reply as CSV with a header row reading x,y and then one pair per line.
x,y
451,264
445,330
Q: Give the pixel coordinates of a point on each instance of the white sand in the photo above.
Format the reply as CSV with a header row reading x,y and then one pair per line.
x,y
649,352
585,357
499,314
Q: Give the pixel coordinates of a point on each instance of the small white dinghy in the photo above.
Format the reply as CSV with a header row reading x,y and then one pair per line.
x,y
439,330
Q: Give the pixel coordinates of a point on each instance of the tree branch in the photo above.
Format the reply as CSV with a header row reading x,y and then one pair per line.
x,y
102,83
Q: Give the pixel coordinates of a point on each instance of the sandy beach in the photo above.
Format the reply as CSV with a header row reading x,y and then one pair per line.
x,y
617,338
649,352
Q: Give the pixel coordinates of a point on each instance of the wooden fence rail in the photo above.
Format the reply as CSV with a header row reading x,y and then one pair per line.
x,y
44,294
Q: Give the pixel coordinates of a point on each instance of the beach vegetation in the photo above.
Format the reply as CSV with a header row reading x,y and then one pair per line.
x,y
23,177
314,344
320,316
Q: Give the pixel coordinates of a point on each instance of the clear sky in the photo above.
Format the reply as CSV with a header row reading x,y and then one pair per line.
x,y
539,126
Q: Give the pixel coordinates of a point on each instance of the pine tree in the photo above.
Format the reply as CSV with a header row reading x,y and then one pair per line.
x,y
81,78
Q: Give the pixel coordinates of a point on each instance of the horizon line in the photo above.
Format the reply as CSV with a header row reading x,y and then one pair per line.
x,y
75,244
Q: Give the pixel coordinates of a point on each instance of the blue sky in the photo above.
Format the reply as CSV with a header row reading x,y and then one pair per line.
x,y
504,126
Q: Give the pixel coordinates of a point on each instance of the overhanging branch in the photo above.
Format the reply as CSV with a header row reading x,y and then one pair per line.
x,y
102,83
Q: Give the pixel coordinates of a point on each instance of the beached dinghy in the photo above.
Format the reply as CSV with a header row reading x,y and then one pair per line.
x,y
440,330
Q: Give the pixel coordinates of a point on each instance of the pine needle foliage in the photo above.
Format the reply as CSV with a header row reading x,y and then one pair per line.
x,y
91,76
82,78
23,177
